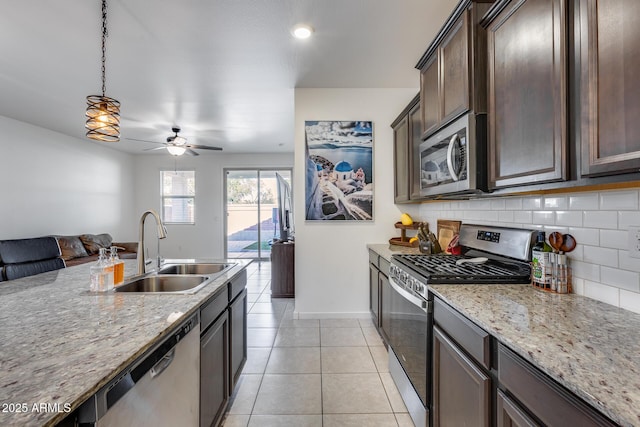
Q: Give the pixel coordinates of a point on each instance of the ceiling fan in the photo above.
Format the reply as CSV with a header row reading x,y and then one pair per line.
x,y
177,145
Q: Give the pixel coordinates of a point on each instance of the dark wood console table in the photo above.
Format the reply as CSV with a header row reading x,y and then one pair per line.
x,y
282,270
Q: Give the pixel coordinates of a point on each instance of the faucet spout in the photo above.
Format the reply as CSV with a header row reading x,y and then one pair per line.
x,y
161,232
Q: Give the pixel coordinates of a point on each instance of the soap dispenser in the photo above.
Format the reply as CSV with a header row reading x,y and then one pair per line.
x,y
101,273
118,266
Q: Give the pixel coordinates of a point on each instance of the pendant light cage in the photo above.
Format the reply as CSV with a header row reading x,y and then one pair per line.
x,y
103,113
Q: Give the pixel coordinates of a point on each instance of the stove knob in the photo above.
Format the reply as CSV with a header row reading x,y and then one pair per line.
x,y
411,284
419,287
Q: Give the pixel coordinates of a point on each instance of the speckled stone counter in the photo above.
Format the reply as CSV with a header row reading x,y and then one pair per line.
x,y
590,347
385,250
59,344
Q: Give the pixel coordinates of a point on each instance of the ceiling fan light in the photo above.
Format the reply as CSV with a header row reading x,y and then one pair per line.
x,y
176,150
178,140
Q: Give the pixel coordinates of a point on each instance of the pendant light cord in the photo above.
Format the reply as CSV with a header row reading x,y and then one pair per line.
x,y
104,48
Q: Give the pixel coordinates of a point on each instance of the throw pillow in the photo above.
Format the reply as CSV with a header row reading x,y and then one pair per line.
x,y
93,243
71,247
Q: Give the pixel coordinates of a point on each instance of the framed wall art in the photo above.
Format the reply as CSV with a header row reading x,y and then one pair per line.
x,y
339,170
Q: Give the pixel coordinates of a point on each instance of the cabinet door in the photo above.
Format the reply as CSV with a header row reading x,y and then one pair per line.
x,y
214,372
237,337
454,60
385,306
608,42
461,391
415,139
401,160
429,96
527,94
510,415
374,295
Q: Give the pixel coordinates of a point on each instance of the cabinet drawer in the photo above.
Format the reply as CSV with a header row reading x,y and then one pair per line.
x,y
373,258
384,266
470,337
545,399
212,309
237,284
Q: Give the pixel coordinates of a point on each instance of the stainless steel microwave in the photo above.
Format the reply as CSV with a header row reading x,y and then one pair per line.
x,y
453,160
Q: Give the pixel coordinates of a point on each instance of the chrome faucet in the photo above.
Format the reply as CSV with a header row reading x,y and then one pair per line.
x,y
161,231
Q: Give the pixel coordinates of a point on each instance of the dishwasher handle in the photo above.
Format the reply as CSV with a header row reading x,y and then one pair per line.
x,y
163,364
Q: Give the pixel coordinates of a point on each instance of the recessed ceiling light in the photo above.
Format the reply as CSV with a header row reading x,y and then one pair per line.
x,y
302,31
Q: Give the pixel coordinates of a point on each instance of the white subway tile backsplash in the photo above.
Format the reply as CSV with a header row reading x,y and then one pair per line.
x,y
613,239
523,217
544,217
569,218
601,256
628,263
555,203
584,201
585,270
604,293
602,268
513,203
628,218
600,219
532,203
585,236
505,216
629,280
619,200
630,300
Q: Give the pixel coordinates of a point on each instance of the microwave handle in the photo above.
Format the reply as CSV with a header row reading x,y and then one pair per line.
x,y
452,171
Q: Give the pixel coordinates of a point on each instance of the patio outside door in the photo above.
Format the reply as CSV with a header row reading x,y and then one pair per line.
x,y
252,211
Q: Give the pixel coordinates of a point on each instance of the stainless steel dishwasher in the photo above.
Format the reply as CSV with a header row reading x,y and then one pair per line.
x,y
161,388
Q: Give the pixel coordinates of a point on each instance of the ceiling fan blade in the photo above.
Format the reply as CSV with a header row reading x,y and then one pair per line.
x,y
204,147
144,140
190,152
154,148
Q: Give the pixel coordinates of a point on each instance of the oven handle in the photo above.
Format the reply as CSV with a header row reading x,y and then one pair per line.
x,y
419,302
452,171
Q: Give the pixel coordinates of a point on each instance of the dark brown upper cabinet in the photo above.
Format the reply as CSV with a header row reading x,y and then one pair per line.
x,y
527,92
404,149
607,45
452,70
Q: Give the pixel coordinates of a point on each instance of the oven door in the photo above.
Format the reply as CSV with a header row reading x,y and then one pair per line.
x,y
445,160
406,321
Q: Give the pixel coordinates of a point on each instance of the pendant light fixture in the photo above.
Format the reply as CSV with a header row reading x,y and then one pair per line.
x,y
103,113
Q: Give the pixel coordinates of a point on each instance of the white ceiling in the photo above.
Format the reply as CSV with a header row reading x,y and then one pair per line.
x,y
223,70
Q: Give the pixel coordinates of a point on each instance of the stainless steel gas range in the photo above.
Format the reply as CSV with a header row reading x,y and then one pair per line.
x,y
489,255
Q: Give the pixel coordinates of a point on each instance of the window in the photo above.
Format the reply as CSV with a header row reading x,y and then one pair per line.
x,y
178,197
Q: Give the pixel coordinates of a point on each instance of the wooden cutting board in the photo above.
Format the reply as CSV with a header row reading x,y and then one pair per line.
x,y
446,230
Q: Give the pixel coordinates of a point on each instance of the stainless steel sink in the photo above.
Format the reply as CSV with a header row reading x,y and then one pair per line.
x,y
195,268
176,284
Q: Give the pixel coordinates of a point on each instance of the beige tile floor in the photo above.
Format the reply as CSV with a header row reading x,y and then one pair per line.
x,y
310,372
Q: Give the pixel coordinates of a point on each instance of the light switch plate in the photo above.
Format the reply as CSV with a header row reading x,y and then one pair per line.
x,y
634,242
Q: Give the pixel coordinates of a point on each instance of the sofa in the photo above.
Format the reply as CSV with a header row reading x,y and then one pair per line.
x,y
26,257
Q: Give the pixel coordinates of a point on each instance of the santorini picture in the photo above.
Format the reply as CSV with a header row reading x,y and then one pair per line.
x,y
339,170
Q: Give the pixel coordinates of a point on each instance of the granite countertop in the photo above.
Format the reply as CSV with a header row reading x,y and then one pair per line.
x,y
59,344
590,347
385,250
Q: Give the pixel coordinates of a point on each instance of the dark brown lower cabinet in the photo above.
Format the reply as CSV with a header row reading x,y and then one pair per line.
x,y
461,390
374,295
510,415
237,337
214,371
282,270
541,397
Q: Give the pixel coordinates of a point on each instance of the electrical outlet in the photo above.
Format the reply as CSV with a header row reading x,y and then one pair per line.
x,y
634,242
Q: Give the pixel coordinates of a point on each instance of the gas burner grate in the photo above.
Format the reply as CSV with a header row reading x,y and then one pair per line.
x,y
443,269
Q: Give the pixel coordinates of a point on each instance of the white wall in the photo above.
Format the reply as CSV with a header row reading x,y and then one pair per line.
x,y
56,184
331,263
206,238
602,268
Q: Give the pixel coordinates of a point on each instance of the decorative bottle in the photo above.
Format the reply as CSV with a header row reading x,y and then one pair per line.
x,y
118,266
101,273
540,263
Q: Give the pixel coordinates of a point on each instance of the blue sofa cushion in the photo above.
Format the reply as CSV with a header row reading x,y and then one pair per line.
x,y
27,250
16,271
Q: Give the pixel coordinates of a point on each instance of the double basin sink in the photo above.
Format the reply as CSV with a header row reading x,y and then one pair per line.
x,y
186,278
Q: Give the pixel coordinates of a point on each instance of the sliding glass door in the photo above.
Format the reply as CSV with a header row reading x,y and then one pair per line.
x,y
252,211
